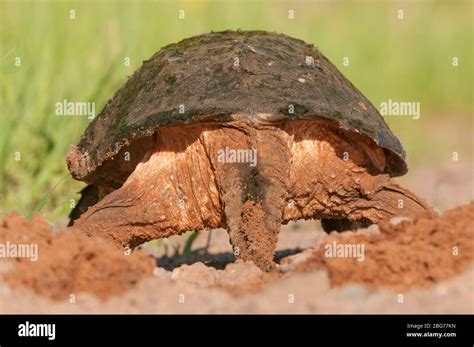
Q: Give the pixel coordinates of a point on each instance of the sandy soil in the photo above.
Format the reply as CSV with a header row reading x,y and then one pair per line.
x,y
443,187
408,267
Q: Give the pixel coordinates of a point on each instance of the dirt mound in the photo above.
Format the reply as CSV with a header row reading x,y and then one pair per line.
x,y
66,263
416,253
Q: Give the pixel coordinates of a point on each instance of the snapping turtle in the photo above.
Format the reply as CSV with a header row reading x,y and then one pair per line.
x,y
244,130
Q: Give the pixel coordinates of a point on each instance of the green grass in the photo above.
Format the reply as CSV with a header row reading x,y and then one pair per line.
x,y
83,60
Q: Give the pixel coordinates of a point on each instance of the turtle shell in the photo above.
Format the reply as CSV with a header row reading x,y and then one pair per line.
x,y
218,76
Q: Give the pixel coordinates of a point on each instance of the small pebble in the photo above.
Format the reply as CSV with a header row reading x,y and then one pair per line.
x,y
175,274
309,61
398,220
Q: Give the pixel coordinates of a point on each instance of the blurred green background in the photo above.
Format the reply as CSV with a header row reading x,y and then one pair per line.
x,y
82,59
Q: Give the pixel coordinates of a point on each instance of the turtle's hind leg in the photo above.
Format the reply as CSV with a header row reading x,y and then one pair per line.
x,y
171,191
376,199
387,201
334,178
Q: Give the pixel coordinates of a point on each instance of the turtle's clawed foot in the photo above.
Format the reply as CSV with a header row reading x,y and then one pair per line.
x,y
390,201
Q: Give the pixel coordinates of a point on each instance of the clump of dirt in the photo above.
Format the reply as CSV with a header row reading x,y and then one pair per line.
x,y
413,253
67,263
239,278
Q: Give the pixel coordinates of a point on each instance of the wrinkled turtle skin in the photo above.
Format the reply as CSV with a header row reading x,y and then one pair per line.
x,y
215,77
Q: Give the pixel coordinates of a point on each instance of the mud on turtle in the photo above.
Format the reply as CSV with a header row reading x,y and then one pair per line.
x,y
242,130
